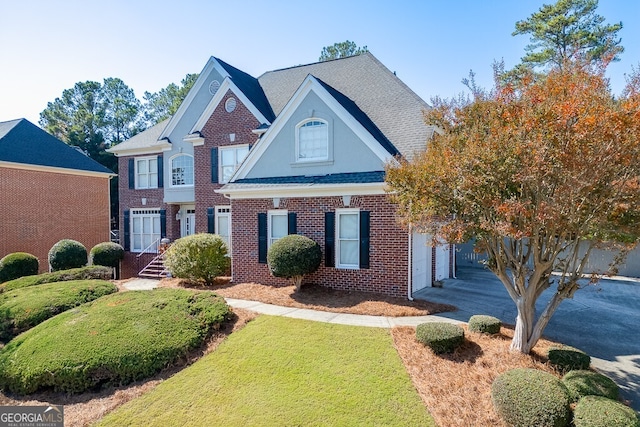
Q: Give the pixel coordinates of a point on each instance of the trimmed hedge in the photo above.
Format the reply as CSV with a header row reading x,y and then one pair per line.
x,y
199,257
66,254
529,397
108,254
18,264
294,256
484,324
82,273
566,358
116,339
589,383
441,337
598,411
24,308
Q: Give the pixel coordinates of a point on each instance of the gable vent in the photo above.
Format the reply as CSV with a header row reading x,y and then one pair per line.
x,y
213,87
230,105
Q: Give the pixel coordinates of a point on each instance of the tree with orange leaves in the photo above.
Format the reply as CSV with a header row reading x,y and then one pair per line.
x,y
539,173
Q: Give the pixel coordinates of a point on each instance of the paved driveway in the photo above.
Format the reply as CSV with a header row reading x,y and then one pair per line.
x,y
603,320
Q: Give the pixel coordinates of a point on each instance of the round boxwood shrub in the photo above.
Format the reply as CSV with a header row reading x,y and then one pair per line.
x,y
598,411
293,256
441,337
115,339
484,324
18,264
66,254
588,383
199,257
566,358
108,254
529,397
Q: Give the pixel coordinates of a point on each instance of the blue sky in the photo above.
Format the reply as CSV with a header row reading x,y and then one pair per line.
x,y
49,45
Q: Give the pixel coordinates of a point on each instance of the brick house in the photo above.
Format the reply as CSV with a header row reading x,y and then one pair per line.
x,y
298,150
48,191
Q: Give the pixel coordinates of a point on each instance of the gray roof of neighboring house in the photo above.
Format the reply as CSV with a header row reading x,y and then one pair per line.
x,y
390,104
146,139
23,142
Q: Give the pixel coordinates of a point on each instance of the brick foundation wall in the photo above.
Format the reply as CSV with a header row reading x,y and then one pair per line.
x,y
40,208
388,246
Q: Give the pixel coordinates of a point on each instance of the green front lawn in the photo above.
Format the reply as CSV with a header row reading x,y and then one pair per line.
x,y
280,371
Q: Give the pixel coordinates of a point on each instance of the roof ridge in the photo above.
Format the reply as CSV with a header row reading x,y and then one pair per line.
x,y
315,63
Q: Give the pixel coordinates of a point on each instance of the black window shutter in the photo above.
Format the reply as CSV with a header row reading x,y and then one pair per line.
x,y
364,238
262,238
163,223
293,225
211,221
329,238
160,172
214,165
132,174
125,230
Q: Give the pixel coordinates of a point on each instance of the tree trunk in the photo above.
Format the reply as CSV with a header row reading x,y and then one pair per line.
x,y
297,280
524,326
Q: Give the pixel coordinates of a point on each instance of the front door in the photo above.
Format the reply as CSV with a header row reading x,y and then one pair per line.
x,y
187,221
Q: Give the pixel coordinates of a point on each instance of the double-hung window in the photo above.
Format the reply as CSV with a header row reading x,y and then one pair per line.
x,y
145,230
348,238
182,170
312,141
230,160
278,225
146,172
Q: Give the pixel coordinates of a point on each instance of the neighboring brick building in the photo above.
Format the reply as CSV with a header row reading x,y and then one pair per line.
x,y
299,150
48,191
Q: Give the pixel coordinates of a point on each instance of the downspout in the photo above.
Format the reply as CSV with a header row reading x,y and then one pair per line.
x,y
409,263
453,264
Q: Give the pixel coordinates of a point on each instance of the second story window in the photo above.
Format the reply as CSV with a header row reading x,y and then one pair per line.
x,y
312,141
182,170
147,172
230,159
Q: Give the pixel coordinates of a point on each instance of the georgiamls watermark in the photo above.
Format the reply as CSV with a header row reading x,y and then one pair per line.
x,y
31,416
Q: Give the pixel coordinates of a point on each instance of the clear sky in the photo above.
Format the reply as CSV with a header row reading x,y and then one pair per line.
x,y
49,45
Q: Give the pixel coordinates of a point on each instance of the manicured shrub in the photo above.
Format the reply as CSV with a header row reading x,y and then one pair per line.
x,y
199,257
17,264
108,254
293,256
67,254
441,337
565,358
22,309
82,273
484,324
529,397
598,411
116,339
589,383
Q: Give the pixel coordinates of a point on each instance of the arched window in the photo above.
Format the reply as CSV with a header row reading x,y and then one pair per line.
x,y
182,170
312,141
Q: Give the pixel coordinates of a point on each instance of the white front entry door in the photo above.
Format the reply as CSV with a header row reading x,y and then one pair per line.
x,y
187,221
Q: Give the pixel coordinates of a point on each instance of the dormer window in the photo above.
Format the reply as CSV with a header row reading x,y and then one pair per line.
x,y
312,141
182,170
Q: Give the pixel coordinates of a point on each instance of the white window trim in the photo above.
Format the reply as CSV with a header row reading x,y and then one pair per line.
x,y
348,211
136,174
237,163
323,160
219,212
270,215
193,177
140,213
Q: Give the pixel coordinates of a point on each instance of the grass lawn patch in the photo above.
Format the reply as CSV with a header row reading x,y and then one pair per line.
x,y
115,339
24,308
81,273
280,371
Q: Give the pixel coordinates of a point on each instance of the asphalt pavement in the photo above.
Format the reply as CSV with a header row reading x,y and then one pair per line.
x,y
603,319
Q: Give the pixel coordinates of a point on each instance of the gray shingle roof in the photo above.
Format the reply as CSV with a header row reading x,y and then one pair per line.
x,y
394,108
147,139
335,178
23,142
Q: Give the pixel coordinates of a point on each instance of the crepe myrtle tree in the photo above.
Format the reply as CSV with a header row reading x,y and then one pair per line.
x,y
539,173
